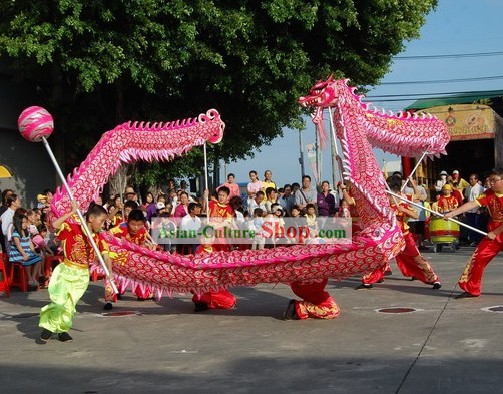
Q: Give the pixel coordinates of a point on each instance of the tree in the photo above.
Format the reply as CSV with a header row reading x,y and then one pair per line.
x,y
98,63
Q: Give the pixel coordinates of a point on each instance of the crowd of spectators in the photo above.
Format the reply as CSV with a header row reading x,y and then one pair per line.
x,y
25,237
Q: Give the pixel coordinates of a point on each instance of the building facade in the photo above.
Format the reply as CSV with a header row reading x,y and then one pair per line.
x,y
29,162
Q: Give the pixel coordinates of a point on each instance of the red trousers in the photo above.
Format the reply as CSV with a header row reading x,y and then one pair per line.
x,y
471,278
222,299
317,303
410,262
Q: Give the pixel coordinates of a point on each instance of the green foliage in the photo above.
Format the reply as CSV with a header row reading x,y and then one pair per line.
x,y
154,174
485,101
98,63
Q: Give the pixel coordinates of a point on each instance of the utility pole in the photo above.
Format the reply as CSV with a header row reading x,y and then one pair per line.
x,y
301,158
318,160
334,161
317,153
336,164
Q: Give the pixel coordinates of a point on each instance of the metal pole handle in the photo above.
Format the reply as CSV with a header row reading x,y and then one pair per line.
x,y
207,202
415,168
436,213
334,137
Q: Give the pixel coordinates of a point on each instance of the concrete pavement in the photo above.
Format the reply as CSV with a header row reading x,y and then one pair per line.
x,y
446,346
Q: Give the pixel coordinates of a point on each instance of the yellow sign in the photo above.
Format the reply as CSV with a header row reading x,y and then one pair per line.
x,y
467,121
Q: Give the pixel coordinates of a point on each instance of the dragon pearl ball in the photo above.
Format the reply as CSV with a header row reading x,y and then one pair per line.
x,y
34,123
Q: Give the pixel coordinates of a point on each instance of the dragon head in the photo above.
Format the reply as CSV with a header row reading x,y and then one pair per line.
x,y
217,133
322,95
404,134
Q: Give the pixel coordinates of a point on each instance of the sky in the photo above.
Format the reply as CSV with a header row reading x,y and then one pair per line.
x,y
457,27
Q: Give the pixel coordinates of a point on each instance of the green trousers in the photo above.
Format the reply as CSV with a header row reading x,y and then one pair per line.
x,y
66,287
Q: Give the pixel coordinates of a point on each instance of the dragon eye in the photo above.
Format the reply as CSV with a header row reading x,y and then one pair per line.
x,y
319,87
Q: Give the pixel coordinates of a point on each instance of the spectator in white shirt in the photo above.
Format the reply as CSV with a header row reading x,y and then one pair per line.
x,y
12,202
474,217
441,181
305,195
257,202
191,223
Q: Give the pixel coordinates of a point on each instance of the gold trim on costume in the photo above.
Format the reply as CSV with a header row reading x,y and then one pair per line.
x,y
465,276
72,264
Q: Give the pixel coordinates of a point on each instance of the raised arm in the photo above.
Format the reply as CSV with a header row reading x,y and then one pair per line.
x,y
417,194
59,221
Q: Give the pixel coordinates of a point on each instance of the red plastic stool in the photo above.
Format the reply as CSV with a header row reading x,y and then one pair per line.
x,y
4,280
96,276
50,263
18,277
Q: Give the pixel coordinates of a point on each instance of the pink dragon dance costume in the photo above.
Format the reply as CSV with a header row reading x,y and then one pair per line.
x,y
358,128
121,231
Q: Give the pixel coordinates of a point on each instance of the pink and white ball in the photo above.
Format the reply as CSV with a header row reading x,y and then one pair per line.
x,y
34,123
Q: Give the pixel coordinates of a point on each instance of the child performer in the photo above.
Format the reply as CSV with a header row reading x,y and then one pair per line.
x,y
410,261
471,279
447,202
222,299
134,231
70,278
221,215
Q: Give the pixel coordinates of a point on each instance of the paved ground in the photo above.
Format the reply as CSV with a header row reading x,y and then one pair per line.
x,y
447,346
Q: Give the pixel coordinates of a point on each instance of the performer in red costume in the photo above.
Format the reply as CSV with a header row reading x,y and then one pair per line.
x,y
409,261
135,232
447,201
316,302
70,278
222,299
492,244
221,216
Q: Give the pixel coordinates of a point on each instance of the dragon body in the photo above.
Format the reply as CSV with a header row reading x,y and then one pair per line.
x,y
358,129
